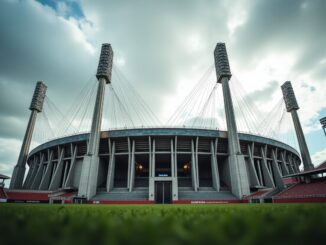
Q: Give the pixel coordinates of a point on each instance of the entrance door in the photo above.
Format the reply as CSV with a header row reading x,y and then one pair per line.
x,y
163,192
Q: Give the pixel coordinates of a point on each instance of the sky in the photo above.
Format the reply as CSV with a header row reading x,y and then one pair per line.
x,y
163,48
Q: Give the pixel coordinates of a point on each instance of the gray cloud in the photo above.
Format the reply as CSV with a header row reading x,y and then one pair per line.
x,y
40,46
264,94
283,25
153,39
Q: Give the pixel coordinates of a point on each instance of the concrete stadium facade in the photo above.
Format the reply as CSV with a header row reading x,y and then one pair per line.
x,y
161,165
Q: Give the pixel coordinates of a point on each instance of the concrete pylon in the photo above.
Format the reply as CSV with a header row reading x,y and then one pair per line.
x,y
89,173
35,107
323,124
238,171
292,107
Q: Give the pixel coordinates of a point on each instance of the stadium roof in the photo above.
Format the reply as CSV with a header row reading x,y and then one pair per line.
x,y
4,176
320,169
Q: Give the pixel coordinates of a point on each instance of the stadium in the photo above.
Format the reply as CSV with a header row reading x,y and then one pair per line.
x,y
162,164
131,159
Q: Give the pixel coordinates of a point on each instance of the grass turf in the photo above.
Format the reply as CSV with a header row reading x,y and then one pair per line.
x,y
163,224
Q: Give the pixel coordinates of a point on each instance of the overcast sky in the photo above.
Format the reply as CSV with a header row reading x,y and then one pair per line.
x,y
163,47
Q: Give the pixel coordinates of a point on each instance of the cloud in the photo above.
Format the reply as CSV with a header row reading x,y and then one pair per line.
x,y
39,45
160,41
280,40
163,48
319,157
9,150
266,93
36,44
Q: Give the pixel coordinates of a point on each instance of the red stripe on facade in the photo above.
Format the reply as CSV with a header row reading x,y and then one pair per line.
x,y
121,202
28,196
209,201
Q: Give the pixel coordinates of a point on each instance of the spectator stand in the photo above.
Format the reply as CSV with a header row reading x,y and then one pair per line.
x,y
307,186
3,194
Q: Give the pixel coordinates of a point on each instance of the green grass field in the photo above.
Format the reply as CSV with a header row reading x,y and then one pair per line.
x,y
163,224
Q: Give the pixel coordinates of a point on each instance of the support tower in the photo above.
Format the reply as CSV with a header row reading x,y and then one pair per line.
x,y
323,124
88,178
238,172
292,107
35,107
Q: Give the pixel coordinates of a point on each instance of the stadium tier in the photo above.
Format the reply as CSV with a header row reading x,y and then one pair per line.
x,y
159,164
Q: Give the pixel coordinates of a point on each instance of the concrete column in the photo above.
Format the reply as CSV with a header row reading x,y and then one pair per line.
x,y
172,160
290,167
89,173
292,107
38,176
151,188
69,181
285,169
65,173
35,107
55,164
267,174
150,156
153,159
110,178
277,165
32,172
196,161
175,191
44,168
37,167
132,167
277,172
260,172
55,181
129,163
290,157
296,163
46,177
238,171
215,173
251,166
217,163
193,167
88,178
302,142
176,156
28,177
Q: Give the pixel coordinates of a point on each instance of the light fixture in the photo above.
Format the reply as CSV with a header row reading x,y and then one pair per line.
x,y
186,167
139,167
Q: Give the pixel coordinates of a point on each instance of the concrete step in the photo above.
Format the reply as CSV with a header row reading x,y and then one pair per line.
x,y
122,194
205,195
206,189
120,189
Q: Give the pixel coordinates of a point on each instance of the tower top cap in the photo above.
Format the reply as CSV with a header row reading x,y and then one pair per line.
x,y
38,97
323,122
289,97
221,62
104,69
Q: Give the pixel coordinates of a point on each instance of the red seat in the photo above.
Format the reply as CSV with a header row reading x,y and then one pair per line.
x,y
304,189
